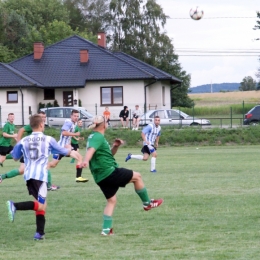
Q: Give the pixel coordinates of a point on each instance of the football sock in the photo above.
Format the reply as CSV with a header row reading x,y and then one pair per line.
x,y
10,174
78,171
9,156
40,221
26,205
107,223
72,160
138,157
143,195
153,160
49,179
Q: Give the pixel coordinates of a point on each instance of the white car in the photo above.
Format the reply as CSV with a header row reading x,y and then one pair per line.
x,y
172,117
56,116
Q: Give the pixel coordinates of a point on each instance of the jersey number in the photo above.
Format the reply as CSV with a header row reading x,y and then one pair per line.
x,y
34,151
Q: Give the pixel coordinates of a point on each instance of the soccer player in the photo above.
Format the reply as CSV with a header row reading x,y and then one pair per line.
x,y
75,139
35,149
15,172
5,140
104,168
150,135
67,131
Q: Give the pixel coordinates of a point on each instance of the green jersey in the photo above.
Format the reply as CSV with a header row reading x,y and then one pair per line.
x,y
9,129
73,140
103,163
28,129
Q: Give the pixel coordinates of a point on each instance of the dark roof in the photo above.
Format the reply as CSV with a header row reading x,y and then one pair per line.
x,y
10,77
60,66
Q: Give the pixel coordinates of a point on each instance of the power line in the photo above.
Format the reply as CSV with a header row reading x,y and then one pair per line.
x,y
249,17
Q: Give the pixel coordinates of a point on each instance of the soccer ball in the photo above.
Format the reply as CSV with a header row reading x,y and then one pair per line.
x,y
196,13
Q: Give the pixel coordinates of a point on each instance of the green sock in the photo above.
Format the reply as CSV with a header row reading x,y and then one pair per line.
x,y
143,196
107,223
72,160
49,179
10,174
9,156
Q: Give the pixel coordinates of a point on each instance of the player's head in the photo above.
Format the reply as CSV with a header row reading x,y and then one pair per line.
x,y
80,122
74,115
36,122
136,106
157,120
99,122
43,115
10,117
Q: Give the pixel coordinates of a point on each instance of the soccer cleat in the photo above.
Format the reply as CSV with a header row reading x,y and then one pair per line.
x,y
153,170
80,179
105,232
128,157
53,187
38,236
11,210
153,204
1,164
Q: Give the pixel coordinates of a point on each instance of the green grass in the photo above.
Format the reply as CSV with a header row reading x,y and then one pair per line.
x,y
211,210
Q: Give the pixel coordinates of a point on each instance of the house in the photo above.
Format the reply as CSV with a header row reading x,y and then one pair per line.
x,y
76,69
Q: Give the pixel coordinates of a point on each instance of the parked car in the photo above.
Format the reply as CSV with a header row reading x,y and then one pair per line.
x,y
172,117
55,116
252,117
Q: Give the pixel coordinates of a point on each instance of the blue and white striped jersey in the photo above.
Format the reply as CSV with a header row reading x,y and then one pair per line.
x,y
67,126
36,149
151,132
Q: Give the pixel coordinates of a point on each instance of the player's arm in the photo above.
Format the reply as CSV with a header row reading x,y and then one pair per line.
x,y
145,131
9,136
20,134
157,141
89,154
67,133
17,152
115,145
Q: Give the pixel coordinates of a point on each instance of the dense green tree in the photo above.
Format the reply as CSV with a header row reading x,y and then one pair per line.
x,y
248,83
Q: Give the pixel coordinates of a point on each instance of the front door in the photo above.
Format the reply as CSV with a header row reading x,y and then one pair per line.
x,y
68,98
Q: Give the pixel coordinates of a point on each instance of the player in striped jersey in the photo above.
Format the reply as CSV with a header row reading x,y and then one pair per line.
x,y
35,149
67,131
150,135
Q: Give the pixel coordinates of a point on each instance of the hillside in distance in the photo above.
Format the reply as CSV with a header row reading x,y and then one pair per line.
x,y
215,87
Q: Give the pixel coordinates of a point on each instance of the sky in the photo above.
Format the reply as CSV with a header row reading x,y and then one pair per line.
x,y
216,33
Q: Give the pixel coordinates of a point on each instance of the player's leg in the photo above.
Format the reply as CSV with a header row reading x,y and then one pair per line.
x,y
141,191
79,168
153,161
4,150
146,153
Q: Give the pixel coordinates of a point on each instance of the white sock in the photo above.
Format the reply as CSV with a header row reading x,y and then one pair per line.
x,y
153,160
138,157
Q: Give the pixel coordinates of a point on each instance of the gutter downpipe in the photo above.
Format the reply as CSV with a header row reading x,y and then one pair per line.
x,y
22,106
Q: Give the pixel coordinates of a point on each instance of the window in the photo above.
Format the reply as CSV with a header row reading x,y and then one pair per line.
x,y
163,96
112,96
49,94
12,97
159,113
56,112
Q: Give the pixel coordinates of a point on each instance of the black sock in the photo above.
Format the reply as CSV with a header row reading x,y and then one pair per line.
x,y
78,172
40,224
26,205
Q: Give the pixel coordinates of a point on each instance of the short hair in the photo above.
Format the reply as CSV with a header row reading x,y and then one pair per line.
x,y
42,113
11,114
35,121
74,111
157,117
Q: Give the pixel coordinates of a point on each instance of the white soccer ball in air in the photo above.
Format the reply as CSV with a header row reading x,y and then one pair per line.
x,y
196,13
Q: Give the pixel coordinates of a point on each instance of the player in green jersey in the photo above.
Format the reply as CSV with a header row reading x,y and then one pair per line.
x,y
5,140
108,176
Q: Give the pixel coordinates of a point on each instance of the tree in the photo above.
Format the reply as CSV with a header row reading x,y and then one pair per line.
x,y
247,84
135,28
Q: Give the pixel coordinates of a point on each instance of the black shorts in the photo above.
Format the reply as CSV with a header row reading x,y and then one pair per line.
x,y
124,118
22,159
135,117
118,178
75,147
38,189
4,150
146,149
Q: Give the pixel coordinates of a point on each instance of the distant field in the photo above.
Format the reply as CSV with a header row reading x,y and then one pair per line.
x,y
225,98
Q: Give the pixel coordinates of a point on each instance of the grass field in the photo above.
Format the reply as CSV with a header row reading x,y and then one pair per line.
x,y
211,210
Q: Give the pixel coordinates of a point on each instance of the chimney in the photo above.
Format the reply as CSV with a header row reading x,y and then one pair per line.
x,y
83,56
102,39
38,49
